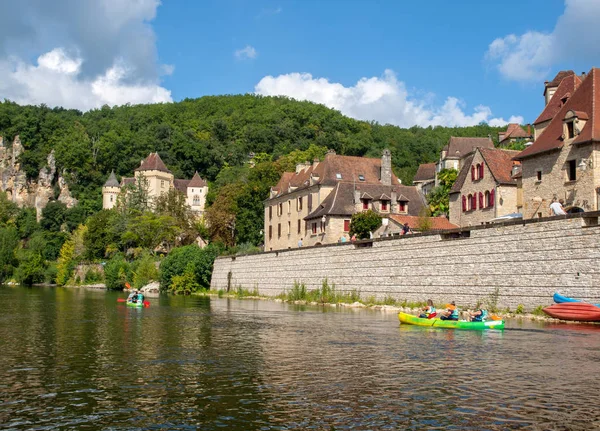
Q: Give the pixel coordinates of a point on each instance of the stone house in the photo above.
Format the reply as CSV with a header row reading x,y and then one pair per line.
x,y
514,133
315,203
159,180
485,187
564,161
425,178
458,148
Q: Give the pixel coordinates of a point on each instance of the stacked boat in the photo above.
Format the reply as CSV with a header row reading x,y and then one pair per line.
x,y
573,309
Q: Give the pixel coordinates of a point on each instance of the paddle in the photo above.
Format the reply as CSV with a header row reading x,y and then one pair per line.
x,y
121,300
494,317
146,304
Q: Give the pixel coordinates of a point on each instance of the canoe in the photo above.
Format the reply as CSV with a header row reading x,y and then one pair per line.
x,y
135,304
578,311
452,324
560,299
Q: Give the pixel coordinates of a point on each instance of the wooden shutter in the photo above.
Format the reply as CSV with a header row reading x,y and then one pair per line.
x,y
464,203
346,225
270,232
299,226
474,202
480,200
481,171
492,193
472,173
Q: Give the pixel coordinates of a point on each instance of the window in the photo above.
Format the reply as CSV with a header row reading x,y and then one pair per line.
x,y
384,205
310,202
481,206
270,212
299,226
289,227
162,184
192,190
365,203
572,170
270,232
539,175
492,200
361,177
472,173
346,225
196,200
322,227
111,198
289,206
280,209
486,199
278,230
402,206
314,228
464,203
300,203
338,176
570,130
481,171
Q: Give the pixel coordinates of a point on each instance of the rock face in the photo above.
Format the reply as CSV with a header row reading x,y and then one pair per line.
x,y
32,193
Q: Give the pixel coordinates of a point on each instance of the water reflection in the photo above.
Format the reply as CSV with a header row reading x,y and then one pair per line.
x,y
76,359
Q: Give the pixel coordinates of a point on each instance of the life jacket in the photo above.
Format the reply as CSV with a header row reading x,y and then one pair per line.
x,y
481,317
431,312
454,314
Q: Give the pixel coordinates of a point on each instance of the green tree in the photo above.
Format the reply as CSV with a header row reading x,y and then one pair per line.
x,y
27,222
99,234
117,272
144,270
53,216
176,263
363,223
438,198
32,265
9,240
8,210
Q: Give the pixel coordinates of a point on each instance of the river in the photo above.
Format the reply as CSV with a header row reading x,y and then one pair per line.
x,y
77,359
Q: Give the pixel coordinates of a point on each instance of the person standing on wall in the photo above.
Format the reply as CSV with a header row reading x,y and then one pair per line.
x,y
556,207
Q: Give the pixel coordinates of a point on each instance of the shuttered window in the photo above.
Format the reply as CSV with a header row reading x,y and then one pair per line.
x,y
299,226
472,173
481,171
464,203
270,232
279,230
474,202
492,194
346,225
481,200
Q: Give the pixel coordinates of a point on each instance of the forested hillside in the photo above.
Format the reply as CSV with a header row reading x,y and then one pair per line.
x,y
205,134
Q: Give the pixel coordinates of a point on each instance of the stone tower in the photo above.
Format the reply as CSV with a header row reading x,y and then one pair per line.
x,y
110,192
386,168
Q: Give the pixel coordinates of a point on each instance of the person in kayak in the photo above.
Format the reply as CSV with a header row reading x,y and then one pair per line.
x,y
132,296
140,297
429,311
479,316
451,312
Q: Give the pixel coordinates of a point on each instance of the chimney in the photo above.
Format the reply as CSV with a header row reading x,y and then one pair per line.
x,y
386,168
529,130
315,163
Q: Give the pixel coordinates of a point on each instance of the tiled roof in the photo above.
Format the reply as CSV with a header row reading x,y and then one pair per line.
x,y
584,100
558,79
126,181
566,87
437,223
153,163
340,201
112,180
197,181
181,185
326,173
425,172
513,131
500,163
458,147
462,175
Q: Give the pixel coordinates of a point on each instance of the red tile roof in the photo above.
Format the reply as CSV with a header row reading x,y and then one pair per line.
x,y
181,185
425,172
513,131
437,223
558,79
584,101
500,163
566,88
458,147
196,181
153,163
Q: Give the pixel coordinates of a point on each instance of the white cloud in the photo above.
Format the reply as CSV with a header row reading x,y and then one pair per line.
x,y
532,55
89,53
248,52
383,99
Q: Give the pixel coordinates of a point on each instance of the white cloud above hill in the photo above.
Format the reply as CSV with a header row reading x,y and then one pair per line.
x,y
384,99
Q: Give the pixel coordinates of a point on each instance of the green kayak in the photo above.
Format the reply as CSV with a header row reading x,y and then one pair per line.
x,y
453,324
135,304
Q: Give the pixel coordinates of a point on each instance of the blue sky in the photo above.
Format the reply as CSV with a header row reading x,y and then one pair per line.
x,y
402,62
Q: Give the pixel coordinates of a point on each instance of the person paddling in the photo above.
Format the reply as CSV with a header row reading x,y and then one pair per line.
x,y
429,311
451,312
479,316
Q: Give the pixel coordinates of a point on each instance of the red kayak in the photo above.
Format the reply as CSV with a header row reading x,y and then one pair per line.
x,y
580,311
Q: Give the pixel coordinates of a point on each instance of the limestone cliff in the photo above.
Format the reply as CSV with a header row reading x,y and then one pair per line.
x,y
32,193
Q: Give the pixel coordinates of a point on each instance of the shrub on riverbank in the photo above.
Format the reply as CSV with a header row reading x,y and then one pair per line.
x,y
177,263
117,272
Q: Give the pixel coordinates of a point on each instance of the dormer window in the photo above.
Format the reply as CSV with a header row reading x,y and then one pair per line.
x,y
384,206
403,206
365,204
338,176
361,177
570,130
574,122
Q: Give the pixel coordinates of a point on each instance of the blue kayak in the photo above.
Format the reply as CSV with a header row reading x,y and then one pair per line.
x,y
560,299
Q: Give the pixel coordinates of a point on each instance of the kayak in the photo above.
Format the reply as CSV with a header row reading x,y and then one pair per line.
x,y
578,311
452,324
135,304
560,299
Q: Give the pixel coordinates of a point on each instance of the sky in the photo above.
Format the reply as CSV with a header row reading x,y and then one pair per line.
x,y
439,62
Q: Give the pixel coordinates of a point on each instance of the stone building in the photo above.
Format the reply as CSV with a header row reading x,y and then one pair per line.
x,y
315,203
159,180
564,161
485,187
457,148
514,133
425,178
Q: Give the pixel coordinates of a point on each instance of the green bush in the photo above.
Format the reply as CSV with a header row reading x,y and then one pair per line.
x,y
177,261
117,272
185,283
92,276
144,270
520,309
50,274
298,292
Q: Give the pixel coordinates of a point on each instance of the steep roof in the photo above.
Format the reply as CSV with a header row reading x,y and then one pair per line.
x,y
566,88
181,185
127,180
340,201
425,172
462,175
513,131
112,180
333,170
500,163
584,100
152,163
458,147
196,181
437,223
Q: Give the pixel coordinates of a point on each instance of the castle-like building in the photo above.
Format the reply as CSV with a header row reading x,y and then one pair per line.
x,y
159,180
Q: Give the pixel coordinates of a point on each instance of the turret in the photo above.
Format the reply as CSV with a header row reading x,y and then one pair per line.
x,y
110,192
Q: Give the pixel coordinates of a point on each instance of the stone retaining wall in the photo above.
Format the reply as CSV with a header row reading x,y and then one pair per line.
x,y
518,262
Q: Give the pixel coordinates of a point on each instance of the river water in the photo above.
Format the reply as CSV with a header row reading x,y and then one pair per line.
x,y
77,359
